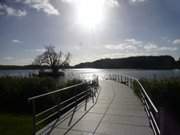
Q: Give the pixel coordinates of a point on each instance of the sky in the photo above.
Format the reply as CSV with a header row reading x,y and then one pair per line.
x,y
88,29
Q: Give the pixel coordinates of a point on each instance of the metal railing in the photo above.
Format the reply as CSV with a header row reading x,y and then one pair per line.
x,y
59,108
150,108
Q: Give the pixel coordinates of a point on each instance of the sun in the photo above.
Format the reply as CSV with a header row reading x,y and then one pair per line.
x,y
90,13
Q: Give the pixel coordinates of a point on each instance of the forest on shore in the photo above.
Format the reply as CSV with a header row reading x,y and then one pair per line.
x,y
138,62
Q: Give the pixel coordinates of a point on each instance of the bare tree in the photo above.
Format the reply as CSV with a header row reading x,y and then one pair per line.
x,y
67,59
55,60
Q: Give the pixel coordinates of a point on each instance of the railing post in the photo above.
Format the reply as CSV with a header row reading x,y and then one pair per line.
x,y
69,123
132,83
59,109
125,80
92,94
128,81
85,108
33,117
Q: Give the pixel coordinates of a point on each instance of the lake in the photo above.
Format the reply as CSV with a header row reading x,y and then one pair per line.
x,y
87,72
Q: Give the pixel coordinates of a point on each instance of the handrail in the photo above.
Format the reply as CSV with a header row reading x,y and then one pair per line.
x,y
57,105
73,97
150,101
59,90
59,108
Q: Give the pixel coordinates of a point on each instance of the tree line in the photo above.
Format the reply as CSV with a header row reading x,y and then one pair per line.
x,y
138,62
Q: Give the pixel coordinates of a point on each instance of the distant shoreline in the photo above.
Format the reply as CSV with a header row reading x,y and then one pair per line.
x,y
139,62
22,68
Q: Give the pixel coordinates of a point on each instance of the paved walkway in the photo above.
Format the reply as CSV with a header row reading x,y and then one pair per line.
x,y
118,112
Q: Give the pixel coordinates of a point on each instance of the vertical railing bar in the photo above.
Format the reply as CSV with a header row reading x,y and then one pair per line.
x,y
95,92
92,95
59,108
85,107
69,123
34,118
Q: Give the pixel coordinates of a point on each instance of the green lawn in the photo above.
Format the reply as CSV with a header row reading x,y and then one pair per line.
x,y
14,124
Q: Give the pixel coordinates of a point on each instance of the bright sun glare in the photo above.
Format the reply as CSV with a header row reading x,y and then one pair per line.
x,y
90,13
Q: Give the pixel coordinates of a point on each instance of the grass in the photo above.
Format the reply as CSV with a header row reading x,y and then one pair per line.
x,y
164,93
15,124
14,91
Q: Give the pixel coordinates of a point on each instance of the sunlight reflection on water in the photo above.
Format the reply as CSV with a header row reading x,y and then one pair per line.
x,y
150,74
88,73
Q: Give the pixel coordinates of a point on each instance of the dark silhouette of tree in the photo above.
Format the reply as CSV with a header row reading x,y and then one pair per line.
x,y
55,60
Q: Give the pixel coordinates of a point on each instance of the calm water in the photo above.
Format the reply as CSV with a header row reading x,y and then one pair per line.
x,y
17,72
89,71
131,72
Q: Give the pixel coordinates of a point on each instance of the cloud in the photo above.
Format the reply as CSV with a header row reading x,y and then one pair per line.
x,y
150,46
45,6
10,11
41,5
165,48
133,41
110,3
16,41
122,46
176,41
153,47
121,55
134,1
126,45
8,58
40,50
133,46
